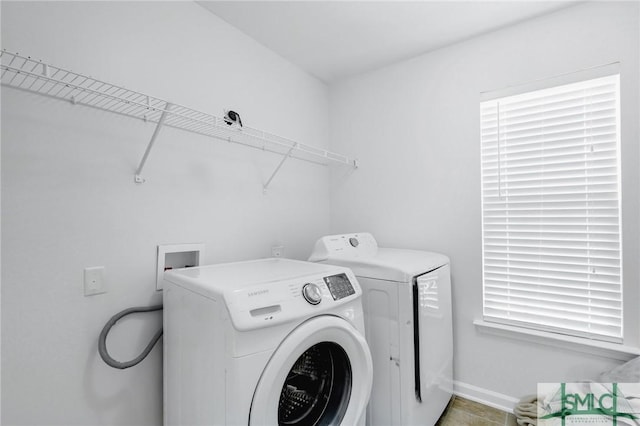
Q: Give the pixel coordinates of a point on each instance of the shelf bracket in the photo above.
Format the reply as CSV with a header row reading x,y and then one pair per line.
x,y
138,177
275,172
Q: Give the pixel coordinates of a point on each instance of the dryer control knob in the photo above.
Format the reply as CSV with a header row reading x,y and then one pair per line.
x,y
312,293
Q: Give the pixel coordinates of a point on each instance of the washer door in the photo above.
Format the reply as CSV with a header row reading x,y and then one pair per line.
x,y
320,374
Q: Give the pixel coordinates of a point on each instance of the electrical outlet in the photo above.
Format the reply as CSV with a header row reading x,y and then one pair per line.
x,y
277,251
94,281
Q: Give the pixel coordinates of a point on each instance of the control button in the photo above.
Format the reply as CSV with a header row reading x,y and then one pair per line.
x,y
312,293
354,242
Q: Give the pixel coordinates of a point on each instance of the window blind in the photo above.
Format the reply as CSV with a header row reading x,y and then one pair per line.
x,y
551,209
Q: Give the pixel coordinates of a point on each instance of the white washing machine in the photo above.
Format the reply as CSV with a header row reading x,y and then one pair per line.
x,y
264,342
407,306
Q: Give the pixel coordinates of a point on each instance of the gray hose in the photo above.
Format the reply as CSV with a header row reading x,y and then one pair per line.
x,y
102,341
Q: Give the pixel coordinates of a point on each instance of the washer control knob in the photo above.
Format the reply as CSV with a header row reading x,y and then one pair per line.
x,y
312,293
354,242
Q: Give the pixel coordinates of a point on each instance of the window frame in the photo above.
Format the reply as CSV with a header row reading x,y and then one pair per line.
x,y
576,77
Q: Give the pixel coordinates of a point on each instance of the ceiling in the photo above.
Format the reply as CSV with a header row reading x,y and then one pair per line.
x,y
336,39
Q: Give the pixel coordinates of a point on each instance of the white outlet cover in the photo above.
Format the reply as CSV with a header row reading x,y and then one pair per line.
x,y
94,281
277,251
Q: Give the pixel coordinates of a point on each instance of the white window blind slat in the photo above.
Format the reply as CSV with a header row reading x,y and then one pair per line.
x,y
528,179
604,199
558,211
524,281
555,294
550,136
599,256
497,177
551,209
598,125
552,276
571,115
553,317
608,297
524,256
546,244
595,138
608,145
574,307
533,231
598,112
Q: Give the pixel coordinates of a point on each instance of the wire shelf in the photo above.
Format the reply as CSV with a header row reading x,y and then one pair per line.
x,y
35,76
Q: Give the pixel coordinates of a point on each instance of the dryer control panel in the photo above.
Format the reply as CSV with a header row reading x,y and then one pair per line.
x,y
344,246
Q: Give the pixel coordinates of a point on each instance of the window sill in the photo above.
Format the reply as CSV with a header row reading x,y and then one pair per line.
x,y
577,344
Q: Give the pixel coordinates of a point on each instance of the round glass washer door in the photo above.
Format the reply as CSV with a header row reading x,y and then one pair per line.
x,y
320,374
317,388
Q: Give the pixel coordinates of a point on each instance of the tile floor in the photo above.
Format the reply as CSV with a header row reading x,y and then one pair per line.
x,y
462,412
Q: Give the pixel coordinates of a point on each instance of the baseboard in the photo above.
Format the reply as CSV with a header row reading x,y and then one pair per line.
x,y
484,396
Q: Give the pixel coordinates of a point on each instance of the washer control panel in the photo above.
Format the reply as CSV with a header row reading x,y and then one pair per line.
x,y
312,293
267,292
339,286
274,302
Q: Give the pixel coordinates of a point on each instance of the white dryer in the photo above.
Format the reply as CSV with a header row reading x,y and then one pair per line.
x,y
407,307
264,342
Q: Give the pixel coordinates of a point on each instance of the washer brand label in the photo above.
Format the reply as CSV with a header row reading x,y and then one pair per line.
x,y
258,292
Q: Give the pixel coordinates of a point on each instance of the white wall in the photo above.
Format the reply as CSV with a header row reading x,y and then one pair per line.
x,y
69,200
415,126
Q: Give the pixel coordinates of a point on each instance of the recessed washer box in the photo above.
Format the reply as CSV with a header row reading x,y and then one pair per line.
x,y
174,256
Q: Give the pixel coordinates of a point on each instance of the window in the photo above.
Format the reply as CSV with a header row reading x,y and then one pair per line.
x,y
551,209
